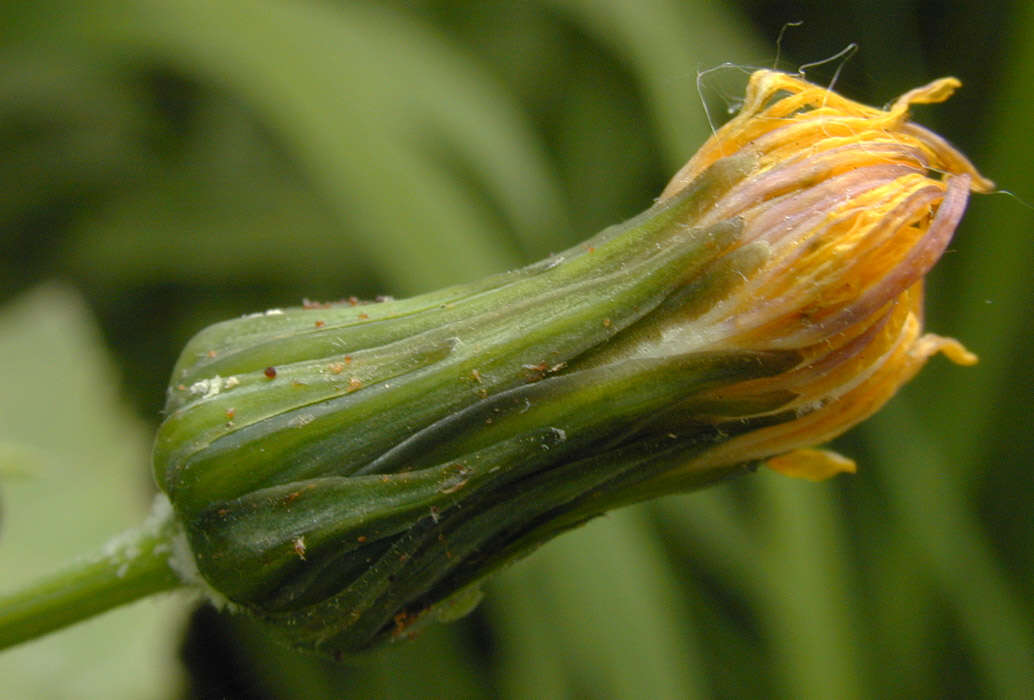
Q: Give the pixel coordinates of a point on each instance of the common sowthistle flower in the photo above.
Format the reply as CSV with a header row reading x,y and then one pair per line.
x,y
349,472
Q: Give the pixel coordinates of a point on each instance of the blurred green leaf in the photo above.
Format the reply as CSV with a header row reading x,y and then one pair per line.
x,y
87,482
223,211
956,553
442,663
814,632
605,614
362,97
667,43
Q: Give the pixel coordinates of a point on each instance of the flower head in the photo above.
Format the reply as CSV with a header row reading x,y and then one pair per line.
x,y
845,209
348,472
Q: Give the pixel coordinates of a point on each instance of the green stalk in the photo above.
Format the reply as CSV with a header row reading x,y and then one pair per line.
x,y
134,565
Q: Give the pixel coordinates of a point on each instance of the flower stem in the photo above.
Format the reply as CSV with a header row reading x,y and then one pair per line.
x,y
132,566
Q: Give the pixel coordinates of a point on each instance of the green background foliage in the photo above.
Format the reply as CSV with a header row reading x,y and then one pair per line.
x,y
170,163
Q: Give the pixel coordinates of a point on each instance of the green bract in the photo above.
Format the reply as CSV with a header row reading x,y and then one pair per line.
x,y
347,471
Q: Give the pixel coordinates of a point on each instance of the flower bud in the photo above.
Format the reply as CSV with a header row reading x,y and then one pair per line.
x,y
348,471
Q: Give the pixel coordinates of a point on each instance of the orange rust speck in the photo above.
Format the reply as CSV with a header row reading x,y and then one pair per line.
x,y
230,413
354,383
401,622
211,354
336,367
348,358
270,372
320,324
360,539
363,316
606,323
536,372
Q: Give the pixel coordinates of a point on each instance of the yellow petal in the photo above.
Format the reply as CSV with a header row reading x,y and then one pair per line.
x,y
811,464
931,344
